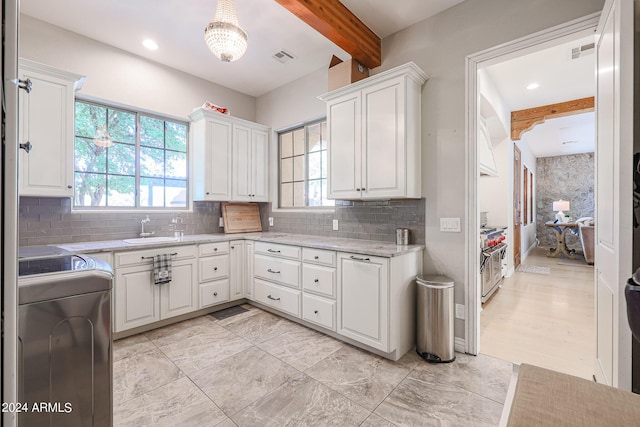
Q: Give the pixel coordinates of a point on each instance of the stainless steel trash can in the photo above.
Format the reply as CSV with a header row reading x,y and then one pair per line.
x,y
434,341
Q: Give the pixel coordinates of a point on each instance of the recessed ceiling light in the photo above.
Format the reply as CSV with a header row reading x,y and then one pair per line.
x,y
532,86
150,44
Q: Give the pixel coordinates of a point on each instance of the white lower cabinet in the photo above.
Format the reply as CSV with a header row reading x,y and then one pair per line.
x,y
248,278
363,292
237,277
214,265
214,292
138,301
278,297
318,310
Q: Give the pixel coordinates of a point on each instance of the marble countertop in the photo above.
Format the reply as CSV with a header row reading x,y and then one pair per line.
x,y
367,247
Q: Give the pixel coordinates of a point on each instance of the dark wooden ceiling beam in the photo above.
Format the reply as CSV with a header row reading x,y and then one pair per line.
x,y
524,120
337,23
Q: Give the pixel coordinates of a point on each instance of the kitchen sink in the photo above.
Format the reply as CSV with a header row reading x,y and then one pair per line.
x,y
150,240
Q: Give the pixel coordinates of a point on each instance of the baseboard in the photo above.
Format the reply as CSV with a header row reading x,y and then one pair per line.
x,y
459,345
528,251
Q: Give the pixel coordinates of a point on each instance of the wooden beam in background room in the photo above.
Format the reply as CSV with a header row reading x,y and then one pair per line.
x,y
337,23
524,120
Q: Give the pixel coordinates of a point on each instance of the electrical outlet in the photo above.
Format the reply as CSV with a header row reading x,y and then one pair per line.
x,y
450,225
270,221
335,225
221,222
459,311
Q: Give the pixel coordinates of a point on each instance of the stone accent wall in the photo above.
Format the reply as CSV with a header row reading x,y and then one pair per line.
x,y
568,178
375,220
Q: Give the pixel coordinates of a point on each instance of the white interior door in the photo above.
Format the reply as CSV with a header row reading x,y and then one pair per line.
x,y
614,186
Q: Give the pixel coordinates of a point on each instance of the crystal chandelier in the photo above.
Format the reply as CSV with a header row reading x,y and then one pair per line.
x,y
223,35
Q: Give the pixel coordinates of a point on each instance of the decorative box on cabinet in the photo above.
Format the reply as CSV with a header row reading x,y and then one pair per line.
x,y
230,158
138,301
46,122
375,136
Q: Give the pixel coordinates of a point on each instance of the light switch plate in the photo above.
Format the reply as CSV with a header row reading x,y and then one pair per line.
x,y
335,225
221,222
270,221
450,225
459,311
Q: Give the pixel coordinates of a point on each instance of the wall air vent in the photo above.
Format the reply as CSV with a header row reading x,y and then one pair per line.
x,y
581,51
569,142
283,56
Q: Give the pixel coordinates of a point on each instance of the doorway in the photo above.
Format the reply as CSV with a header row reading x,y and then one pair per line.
x,y
570,31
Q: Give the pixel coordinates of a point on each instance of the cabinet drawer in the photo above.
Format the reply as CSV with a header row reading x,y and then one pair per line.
x,y
319,256
319,280
319,310
275,249
278,297
207,249
124,259
214,293
278,270
213,267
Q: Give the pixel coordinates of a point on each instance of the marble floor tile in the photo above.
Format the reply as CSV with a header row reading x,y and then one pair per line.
x,y
243,378
418,403
487,376
376,421
302,402
259,327
301,348
363,377
131,346
204,349
178,403
179,331
140,373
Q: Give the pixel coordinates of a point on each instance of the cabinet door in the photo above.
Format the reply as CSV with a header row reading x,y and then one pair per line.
x,y
179,296
46,121
363,299
217,161
242,148
259,166
137,299
248,277
344,150
237,273
384,140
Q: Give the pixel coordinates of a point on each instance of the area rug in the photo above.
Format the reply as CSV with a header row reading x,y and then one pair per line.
x,y
535,269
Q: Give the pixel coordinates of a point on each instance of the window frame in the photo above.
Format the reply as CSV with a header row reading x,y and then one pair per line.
x,y
138,112
278,160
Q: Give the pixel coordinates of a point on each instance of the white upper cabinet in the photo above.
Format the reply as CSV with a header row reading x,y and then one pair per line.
x,y
375,136
230,158
46,122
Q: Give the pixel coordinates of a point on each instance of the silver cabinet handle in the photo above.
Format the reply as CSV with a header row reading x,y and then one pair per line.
x,y
359,259
273,251
271,271
272,298
215,294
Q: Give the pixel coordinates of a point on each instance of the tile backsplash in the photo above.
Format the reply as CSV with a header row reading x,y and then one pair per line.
x,y
47,221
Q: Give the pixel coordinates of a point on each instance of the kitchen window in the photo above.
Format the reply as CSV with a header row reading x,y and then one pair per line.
x,y
303,166
127,159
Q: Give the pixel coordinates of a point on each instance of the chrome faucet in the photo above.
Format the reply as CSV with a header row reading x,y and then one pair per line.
x,y
142,223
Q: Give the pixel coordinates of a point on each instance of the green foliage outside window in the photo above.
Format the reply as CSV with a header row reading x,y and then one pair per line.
x,y
145,166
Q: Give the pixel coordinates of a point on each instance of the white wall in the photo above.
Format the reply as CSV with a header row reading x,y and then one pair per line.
x,y
118,76
528,233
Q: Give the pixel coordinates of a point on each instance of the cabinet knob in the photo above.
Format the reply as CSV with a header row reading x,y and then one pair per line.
x,y
215,249
215,294
316,257
207,193
357,189
316,281
215,268
363,189
315,311
69,187
233,247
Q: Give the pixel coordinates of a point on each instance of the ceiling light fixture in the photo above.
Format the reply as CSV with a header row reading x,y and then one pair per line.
x,y
150,44
532,86
102,139
223,34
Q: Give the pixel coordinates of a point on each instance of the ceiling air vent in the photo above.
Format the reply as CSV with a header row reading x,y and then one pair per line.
x,y
283,56
580,51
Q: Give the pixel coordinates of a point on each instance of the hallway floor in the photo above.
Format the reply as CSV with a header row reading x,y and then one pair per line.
x,y
544,320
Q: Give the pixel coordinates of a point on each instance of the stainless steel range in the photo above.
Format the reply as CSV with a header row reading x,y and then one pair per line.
x,y
493,252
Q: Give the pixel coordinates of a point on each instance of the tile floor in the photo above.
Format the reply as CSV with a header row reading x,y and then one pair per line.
x,y
257,369
544,320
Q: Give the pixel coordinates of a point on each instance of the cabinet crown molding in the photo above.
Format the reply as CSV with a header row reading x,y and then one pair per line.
x,y
410,70
29,65
200,113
